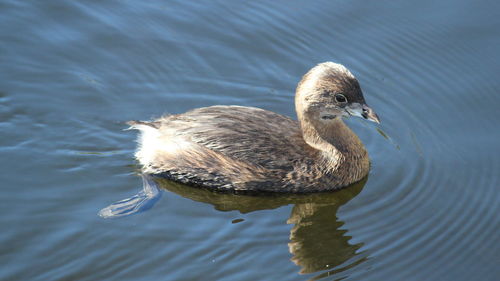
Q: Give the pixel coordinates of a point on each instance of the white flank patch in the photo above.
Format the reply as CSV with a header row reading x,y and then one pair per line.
x,y
153,142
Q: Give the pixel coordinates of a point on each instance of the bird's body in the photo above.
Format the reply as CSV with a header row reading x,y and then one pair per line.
x,y
246,148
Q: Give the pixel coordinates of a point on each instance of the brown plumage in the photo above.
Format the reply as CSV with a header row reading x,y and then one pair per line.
x,y
246,148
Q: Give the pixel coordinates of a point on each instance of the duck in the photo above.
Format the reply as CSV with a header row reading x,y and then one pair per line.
x,y
248,149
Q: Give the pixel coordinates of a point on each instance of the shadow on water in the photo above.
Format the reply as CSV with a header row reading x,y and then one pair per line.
x,y
317,241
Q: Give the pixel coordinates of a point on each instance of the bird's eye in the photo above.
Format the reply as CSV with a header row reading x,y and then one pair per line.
x,y
340,98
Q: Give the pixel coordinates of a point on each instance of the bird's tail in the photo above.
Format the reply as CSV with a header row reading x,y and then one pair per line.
x,y
139,125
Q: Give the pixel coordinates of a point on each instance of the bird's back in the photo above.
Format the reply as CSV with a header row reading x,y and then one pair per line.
x,y
227,147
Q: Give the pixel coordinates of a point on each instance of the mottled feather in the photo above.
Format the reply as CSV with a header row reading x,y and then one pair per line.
x,y
247,148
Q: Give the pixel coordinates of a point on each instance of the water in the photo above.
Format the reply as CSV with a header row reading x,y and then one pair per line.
x,y
71,72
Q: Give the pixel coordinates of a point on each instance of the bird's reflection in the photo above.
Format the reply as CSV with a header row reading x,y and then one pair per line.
x,y
317,241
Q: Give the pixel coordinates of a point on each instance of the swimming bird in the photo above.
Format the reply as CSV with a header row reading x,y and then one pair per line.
x,y
250,149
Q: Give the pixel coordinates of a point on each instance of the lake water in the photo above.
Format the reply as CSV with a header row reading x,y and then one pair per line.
x,y
72,72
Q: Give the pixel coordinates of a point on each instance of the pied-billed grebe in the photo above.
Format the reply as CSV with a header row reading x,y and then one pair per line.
x,y
247,148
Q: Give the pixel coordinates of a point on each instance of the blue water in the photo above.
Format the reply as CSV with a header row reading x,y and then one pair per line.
x,y
72,72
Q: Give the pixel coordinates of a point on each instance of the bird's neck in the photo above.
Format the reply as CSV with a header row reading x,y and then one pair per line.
x,y
341,151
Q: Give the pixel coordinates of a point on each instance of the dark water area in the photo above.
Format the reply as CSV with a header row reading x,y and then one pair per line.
x,y
72,72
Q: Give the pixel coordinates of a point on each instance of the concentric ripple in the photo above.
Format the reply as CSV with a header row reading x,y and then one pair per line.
x,y
72,72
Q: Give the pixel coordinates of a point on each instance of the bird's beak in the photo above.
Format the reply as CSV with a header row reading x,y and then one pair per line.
x,y
369,114
362,110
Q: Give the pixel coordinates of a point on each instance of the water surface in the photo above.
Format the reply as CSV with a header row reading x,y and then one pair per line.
x,y
72,72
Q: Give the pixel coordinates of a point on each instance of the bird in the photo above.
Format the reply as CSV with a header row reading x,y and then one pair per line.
x,y
248,149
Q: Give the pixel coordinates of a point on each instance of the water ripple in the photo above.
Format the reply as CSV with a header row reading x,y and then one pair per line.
x,y
73,72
